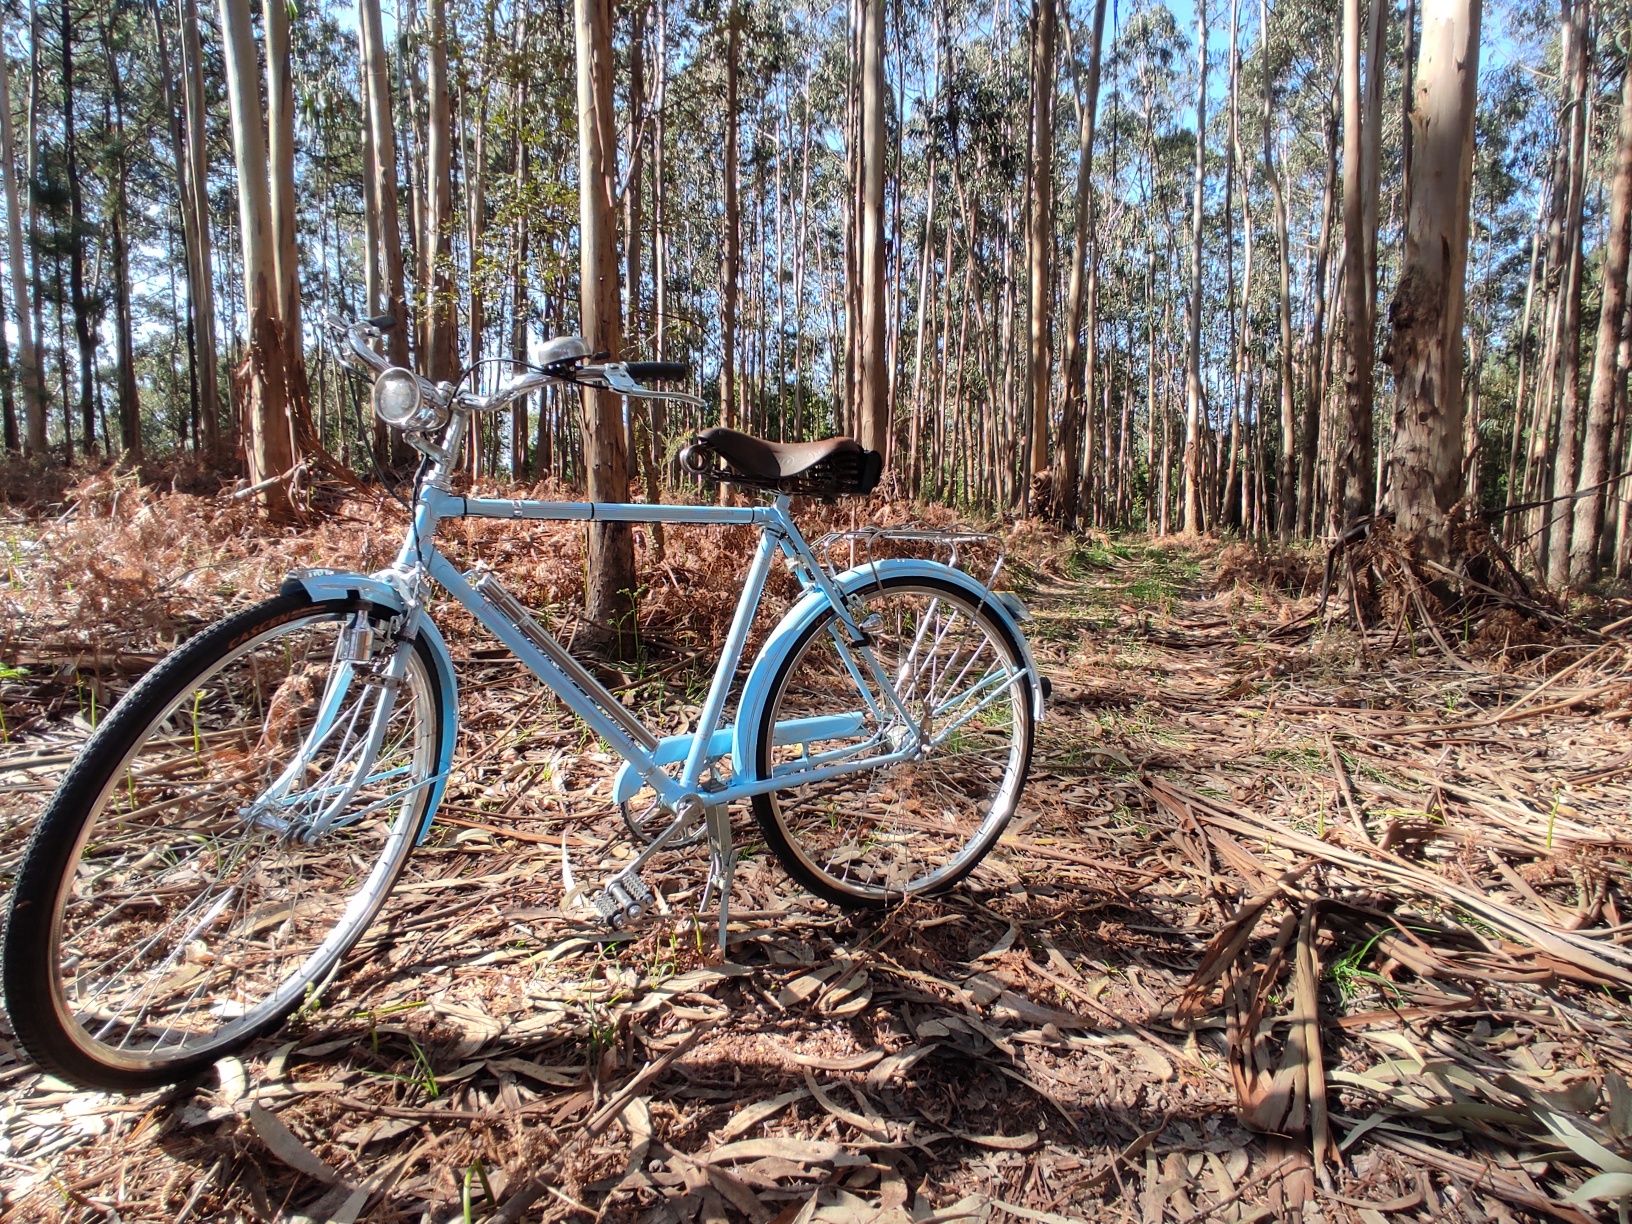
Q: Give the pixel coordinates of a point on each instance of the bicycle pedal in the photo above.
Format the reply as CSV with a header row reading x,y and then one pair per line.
x,y
623,901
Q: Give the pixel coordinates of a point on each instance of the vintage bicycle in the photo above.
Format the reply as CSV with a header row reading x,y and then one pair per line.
x,y
235,824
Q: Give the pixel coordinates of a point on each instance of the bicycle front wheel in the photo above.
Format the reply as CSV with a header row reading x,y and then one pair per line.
x,y
226,834
956,697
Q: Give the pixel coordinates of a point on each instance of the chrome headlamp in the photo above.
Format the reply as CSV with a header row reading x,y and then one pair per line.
x,y
399,402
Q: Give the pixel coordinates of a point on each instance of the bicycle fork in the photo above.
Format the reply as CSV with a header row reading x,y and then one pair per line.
x,y
355,748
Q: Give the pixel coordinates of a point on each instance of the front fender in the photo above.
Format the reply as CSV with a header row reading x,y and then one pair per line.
x,y
322,584
757,689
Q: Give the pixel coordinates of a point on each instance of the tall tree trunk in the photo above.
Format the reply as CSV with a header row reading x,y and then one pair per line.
x,y
1041,241
379,442
1315,351
130,407
10,439
1544,413
1230,507
1588,531
1362,120
633,221
660,237
1567,448
783,206
1516,440
170,90
78,234
1286,500
373,295
473,159
660,269
36,37
520,303
633,198
731,248
264,377
382,188
1623,410
60,298
201,260
280,98
925,329
436,240
846,406
609,598
1425,348
873,408
1192,374
1407,94
28,356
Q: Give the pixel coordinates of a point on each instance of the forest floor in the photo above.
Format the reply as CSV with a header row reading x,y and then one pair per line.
x,y
1293,917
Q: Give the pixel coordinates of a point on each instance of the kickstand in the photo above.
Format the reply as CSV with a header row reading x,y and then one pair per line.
x,y
722,864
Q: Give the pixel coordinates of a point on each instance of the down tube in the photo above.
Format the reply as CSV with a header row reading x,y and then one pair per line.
x,y
557,681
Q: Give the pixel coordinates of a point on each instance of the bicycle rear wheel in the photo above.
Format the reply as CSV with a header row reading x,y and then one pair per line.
x,y
225,836
872,837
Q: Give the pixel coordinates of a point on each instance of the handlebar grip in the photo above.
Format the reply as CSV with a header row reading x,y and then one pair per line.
x,y
659,371
382,322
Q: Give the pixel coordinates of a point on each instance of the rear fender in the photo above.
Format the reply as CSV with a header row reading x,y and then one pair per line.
x,y
757,690
325,584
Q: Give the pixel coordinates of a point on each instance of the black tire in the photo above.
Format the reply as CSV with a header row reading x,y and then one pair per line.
x,y
800,860
36,998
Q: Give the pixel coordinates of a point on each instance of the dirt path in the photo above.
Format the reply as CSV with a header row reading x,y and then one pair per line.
x,y
1015,1051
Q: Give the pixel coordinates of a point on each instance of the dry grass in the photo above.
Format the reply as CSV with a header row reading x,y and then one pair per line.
x,y
1282,917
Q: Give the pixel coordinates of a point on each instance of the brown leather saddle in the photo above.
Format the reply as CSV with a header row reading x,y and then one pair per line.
x,y
833,467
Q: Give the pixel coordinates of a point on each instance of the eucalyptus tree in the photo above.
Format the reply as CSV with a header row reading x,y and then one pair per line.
x,y
119,214
1040,238
382,187
611,580
1566,341
1286,504
268,379
29,361
873,408
1425,317
78,231
439,344
1353,482
1192,374
1607,380
731,223
1072,459
193,177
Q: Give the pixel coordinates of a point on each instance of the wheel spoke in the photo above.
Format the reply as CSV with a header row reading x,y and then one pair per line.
x,y
884,833
201,901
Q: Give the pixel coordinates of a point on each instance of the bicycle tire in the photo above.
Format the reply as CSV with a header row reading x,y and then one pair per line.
x,y
795,849
34,989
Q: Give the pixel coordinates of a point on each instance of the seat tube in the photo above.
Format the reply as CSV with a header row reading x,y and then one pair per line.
x,y
847,635
731,652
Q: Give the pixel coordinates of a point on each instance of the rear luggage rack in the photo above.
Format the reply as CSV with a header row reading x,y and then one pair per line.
x,y
949,546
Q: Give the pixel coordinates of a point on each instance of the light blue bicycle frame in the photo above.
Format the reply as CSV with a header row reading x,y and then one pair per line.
x,y
894,735
616,725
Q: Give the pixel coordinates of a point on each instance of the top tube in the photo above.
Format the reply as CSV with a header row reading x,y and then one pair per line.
x,y
459,506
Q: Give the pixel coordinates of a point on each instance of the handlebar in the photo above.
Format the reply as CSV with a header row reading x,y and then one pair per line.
x,y
624,378
660,371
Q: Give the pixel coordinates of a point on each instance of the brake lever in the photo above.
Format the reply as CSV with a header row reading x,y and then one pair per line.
x,y
615,376
337,343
